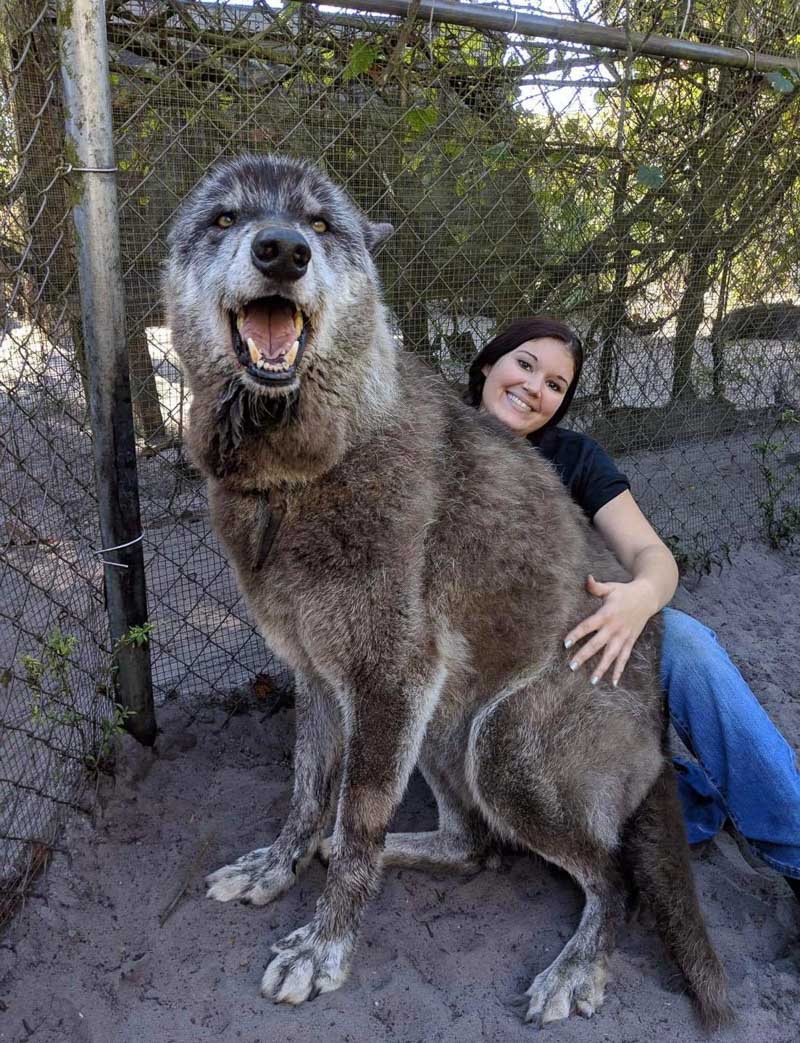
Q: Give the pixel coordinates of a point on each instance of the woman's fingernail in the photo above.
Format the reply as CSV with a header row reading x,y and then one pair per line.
x,y
615,682
568,643
573,666
594,680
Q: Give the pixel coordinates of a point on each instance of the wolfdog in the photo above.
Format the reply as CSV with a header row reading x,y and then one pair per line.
x,y
417,567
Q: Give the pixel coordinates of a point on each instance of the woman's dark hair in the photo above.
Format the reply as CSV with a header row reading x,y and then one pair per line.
x,y
520,331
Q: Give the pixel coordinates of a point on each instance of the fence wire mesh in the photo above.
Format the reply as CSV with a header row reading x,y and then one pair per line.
x,y
51,607
651,202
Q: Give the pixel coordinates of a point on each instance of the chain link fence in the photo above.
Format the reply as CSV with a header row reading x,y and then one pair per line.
x,y
52,620
651,199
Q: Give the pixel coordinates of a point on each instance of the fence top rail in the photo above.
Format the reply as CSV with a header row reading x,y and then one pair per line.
x,y
511,21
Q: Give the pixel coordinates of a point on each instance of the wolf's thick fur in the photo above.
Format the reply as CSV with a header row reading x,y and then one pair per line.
x,y
424,572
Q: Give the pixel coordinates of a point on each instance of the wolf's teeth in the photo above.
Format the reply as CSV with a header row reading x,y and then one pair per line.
x,y
298,323
255,354
291,354
240,320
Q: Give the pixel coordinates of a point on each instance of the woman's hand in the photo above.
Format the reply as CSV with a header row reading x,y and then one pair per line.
x,y
616,625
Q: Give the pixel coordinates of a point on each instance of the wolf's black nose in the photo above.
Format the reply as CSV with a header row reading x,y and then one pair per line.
x,y
281,253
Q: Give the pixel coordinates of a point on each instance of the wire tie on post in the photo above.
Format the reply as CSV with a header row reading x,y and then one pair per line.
x,y
70,169
514,23
119,546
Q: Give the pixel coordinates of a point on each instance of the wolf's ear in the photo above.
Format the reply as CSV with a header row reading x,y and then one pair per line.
x,y
376,233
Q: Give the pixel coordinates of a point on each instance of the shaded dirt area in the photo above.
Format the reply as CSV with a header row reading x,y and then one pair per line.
x,y
90,958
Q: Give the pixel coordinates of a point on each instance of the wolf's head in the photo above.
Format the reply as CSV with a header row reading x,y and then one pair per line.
x,y
277,315
269,265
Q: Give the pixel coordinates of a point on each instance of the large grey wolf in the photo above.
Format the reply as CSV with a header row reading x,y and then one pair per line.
x,y
417,568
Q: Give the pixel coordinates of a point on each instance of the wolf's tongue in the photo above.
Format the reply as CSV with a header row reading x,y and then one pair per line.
x,y
270,327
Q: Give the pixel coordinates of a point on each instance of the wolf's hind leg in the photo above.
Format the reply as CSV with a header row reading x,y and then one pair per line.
x,y
521,789
462,841
576,979
434,850
267,872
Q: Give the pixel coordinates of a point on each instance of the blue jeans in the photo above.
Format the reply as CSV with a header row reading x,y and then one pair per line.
x,y
745,769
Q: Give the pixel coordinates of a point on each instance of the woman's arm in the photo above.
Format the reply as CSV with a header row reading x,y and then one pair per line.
x,y
626,607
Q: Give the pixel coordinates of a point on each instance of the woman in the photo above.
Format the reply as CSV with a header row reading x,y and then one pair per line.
x,y
526,377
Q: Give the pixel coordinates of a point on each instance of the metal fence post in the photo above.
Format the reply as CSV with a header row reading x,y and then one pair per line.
x,y
87,99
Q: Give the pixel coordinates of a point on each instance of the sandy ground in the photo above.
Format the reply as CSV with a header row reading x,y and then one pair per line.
x,y
442,958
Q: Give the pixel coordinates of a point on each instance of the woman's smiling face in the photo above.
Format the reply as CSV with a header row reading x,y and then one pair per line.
x,y
524,388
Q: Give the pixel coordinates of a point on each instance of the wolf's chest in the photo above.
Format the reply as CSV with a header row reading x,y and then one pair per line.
x,y
306,565
258,546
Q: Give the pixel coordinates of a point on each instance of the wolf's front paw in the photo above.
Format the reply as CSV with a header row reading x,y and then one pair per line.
x,y
256,878
566,986
305,966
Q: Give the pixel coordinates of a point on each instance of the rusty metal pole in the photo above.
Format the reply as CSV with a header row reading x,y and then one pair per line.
x,y
506,20
87,100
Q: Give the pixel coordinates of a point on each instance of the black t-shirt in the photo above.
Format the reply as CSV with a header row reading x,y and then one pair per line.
x,y
592,477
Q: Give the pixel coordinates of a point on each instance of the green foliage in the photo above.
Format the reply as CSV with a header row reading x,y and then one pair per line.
x,y
698,558
650,177
499,152
52,668
138,636
779,509
97,760
422,118
362,57
782,82
630,206
54,702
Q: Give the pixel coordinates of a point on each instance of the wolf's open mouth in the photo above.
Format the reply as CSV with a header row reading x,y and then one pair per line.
x,y
269,336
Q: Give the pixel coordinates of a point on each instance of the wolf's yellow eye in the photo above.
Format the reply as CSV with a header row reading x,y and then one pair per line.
x,y
319,225
225,220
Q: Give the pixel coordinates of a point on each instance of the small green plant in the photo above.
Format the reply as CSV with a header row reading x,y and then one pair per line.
x,y
697,559
781,520
48,679
138,636
53,700
98,761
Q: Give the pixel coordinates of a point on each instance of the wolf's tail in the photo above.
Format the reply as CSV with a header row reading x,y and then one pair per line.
x,y
655,849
